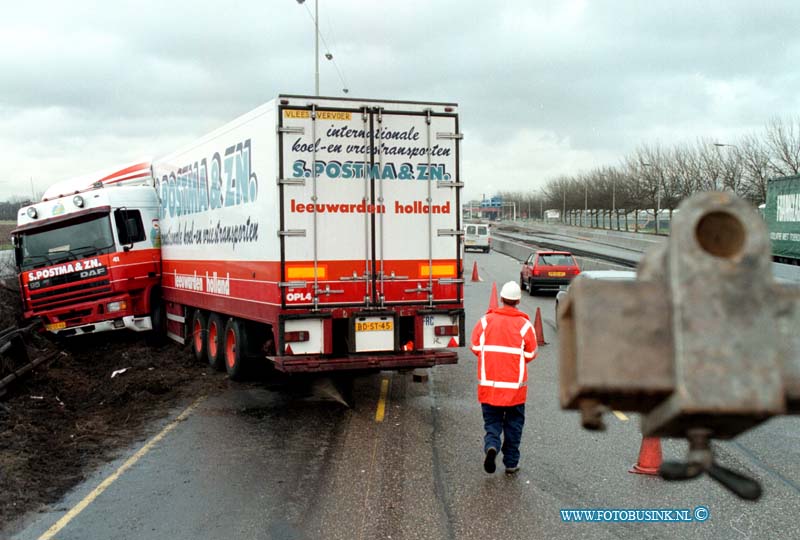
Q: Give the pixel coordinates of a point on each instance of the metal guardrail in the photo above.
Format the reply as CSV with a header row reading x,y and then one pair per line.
x,y
627,262
13,346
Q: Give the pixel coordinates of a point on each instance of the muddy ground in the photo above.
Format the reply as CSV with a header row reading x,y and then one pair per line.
x,y
64,419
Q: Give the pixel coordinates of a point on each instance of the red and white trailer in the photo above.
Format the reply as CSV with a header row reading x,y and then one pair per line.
x,y
324,233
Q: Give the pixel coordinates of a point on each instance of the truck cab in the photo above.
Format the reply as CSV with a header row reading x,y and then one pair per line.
x,y
90,261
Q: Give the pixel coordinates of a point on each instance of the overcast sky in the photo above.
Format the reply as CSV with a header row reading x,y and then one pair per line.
x,y
544,87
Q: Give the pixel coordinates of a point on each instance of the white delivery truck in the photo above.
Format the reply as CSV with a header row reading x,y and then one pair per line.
x,y
324,233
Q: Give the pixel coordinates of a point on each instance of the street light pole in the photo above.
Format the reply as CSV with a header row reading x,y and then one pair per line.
x,y
585,200
658,200
658,206
614,199
316,45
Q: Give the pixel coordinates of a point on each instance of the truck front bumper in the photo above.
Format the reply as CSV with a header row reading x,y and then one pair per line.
x,y
130,322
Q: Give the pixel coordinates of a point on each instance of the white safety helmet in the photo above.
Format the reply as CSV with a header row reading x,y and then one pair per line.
x,y
511,291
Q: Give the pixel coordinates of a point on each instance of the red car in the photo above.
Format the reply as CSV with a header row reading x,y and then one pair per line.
x,y
548,270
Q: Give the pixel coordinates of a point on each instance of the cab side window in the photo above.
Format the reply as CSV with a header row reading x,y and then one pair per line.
x,y
130,228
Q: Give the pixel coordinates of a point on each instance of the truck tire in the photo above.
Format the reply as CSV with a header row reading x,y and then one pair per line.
x,y
235,349
199,336
214,341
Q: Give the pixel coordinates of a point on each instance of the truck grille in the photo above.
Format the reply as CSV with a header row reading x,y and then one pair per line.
x,y
80,292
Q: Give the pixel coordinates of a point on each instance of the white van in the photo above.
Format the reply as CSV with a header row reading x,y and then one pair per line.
x,y
477,237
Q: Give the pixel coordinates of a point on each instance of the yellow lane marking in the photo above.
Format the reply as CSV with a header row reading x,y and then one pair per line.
x,y
382,401
621,416
105,484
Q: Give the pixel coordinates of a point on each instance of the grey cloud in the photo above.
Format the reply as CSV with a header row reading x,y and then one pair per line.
x,y
597,76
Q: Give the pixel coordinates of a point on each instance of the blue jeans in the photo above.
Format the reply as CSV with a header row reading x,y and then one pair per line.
x,y
509,422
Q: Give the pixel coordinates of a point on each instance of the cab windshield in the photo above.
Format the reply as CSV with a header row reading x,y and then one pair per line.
x,y
65,241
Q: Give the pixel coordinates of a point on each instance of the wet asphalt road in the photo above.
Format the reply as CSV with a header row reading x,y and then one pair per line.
x,y
286,460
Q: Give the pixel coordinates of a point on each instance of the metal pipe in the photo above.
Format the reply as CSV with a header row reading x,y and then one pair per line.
x,y
314,198
380,204
430,213
365,118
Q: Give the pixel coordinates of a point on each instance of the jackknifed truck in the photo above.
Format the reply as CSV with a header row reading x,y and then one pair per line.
x,y
321,233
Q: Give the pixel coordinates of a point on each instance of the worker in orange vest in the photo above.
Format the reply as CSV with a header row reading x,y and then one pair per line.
x,y
504,342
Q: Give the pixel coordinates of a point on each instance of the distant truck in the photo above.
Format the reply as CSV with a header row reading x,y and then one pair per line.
x,y
782,214
322,233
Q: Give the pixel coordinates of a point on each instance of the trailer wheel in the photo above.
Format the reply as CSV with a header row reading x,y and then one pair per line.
x,y
199,334
235,349
214,341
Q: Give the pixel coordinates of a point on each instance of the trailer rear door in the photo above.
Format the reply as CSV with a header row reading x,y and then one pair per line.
x,y
370,212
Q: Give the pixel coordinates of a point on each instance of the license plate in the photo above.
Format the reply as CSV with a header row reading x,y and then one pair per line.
x,y
469,242
556,274
56,326
374,326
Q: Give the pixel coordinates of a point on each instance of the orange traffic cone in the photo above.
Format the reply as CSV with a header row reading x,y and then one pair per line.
x,y
475,276
537,327
649,457
493,298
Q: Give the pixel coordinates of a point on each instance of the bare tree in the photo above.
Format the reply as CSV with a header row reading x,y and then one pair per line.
x,y
755,162
687,170
730,159
783,141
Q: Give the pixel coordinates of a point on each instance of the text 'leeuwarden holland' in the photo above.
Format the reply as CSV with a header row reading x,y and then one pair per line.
x,y
415,207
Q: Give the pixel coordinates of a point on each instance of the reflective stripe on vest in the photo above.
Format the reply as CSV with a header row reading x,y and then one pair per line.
x,y
501,384
522,332
481,343
517,351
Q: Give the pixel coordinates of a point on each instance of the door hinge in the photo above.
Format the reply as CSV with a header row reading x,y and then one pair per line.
x,y
292,232
449,184
291,181
449,232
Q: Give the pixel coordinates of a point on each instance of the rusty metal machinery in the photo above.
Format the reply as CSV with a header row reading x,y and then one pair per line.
x,y
704,343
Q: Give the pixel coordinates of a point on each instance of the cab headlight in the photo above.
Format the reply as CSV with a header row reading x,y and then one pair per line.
x,y
116,306
32,212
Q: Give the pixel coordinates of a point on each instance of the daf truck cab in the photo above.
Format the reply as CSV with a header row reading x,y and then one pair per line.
x,y
90,261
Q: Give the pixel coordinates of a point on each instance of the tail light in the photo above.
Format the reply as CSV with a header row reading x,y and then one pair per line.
x,y
449,330
535,271
296,336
